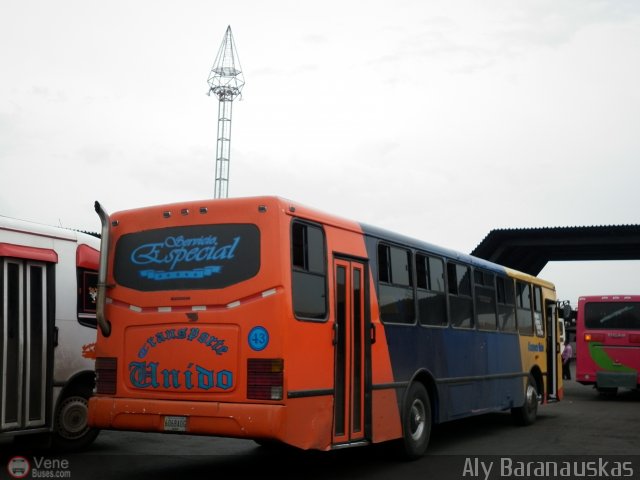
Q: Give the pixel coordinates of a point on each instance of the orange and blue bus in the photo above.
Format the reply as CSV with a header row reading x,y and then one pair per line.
x,y
260,318
608,342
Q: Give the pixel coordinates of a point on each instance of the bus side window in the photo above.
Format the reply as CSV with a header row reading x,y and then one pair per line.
x,y
523,311
506,304
485,300
395,285
432,307
537,312
460,301
87,297
309,281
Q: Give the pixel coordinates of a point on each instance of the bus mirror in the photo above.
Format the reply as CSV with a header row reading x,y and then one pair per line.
x,y
566,311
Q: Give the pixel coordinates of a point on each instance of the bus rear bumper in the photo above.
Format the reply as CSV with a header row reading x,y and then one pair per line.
x,y
616,379
202,418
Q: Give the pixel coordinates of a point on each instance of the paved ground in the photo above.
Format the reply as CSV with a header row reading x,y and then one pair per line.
x,y
584,423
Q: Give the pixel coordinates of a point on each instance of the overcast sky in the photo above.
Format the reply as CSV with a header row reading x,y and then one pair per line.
x,y
440,119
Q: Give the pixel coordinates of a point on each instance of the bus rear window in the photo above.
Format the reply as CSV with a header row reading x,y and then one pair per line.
x,y
612,315
195,257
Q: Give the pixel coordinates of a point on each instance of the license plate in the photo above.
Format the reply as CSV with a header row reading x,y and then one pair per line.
x,y
175,424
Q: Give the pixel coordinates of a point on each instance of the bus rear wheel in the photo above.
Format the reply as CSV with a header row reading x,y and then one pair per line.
x,y
416,422
71,428
608,392
528,412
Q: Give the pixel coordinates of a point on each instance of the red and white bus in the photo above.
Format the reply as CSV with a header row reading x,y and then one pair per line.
x,y
48,279
260,318
608,342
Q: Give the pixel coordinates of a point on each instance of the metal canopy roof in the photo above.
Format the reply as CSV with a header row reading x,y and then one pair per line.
x,y
529,249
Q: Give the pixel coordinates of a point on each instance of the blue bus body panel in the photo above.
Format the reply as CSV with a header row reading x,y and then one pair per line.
x,y
474,371
374,234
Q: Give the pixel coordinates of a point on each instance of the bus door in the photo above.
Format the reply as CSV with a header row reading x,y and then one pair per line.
x,y
23,344
350,341
553,349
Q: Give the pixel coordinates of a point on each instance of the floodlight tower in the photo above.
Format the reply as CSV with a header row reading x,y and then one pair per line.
x,y
226,82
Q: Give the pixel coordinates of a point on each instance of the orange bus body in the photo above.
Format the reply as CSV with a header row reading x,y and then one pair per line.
x,y
303,417
184,350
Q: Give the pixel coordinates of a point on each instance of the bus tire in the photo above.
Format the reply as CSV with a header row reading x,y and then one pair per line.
x,y
270,444
71,430
527,413
416,422
607,392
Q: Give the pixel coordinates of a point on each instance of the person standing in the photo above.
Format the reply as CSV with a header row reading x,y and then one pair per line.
x,y
567,354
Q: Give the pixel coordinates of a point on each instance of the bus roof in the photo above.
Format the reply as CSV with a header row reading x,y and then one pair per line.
x,y
609,298
296,209
32,228
400,239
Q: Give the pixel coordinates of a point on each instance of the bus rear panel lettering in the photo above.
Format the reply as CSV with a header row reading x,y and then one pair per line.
x,y
187,257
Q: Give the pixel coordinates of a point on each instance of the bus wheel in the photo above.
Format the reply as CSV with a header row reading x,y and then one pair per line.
x,y
270,444
416,422
527,413
71,428
607,391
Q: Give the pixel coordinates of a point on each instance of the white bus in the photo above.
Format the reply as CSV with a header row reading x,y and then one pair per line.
x,y
48,281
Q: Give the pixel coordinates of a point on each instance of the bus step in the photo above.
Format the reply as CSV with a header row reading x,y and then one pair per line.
x,y
359,443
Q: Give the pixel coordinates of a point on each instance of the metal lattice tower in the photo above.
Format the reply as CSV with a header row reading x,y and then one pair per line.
x,y
226,82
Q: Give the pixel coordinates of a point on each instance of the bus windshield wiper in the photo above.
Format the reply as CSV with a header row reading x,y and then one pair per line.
x,y
617,313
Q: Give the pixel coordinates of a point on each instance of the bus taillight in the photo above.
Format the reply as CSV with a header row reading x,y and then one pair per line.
x,y
265,378
594,337
106,375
